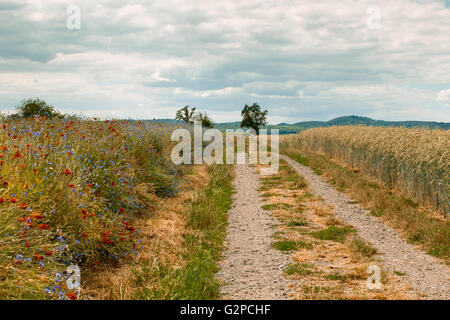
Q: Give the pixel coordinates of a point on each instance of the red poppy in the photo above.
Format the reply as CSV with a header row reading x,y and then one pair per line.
x,y
36,215
2,200
13,200
71,185
43,226
37,256
72,295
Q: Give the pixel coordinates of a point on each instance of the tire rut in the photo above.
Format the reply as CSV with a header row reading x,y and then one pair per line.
x,y
251,268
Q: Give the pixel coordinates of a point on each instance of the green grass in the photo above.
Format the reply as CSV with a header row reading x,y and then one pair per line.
x,y
377,213
335,276
333,233
276,206
288,245
269,194
360,246
301,269
203,247
400,273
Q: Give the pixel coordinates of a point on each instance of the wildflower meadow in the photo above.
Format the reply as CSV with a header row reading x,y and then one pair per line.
x,y
69,189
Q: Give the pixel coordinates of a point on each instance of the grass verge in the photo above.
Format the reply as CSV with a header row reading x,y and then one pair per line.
x,y
207,220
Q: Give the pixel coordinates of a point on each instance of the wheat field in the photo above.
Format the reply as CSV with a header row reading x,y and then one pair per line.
x,y
415,161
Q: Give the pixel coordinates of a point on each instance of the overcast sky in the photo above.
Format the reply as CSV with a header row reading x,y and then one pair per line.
x,y
302,60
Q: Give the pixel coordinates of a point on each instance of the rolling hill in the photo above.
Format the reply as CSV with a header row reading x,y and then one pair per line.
x,y
286,128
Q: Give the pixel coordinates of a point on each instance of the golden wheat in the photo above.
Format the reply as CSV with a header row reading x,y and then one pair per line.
x,y
416,161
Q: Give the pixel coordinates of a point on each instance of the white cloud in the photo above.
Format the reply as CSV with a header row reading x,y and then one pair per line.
x,y
444,97
300,59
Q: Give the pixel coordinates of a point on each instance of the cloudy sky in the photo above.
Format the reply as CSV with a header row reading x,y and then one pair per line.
x,y
302,60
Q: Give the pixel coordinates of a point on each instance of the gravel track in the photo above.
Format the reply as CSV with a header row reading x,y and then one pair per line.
x,y
251,268
426,275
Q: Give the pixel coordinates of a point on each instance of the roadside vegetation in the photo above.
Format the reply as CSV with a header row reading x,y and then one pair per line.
x,y
206,221
401,175
70,191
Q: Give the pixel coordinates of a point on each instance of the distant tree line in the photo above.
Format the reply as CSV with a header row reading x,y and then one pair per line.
x,y
252,116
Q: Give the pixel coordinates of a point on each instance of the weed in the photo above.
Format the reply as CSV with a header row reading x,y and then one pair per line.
x,y
333,233
289,245
301,269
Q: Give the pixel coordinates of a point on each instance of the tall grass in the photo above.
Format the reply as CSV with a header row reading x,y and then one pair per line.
x,y
69,190
207,221
416,161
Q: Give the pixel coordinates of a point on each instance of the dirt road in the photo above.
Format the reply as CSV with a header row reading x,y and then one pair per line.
x,y
251,269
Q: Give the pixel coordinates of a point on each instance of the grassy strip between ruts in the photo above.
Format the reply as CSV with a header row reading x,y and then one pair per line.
x,y
207,220
419,225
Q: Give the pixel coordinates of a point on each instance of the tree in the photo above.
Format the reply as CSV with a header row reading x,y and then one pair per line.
x,y
186,114
253,117
205,120
35,107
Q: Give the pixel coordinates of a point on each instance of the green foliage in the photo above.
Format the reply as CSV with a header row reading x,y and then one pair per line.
x,y
360,246
204,119
301,269
185,114
30,108
333,233
253,117
288,245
